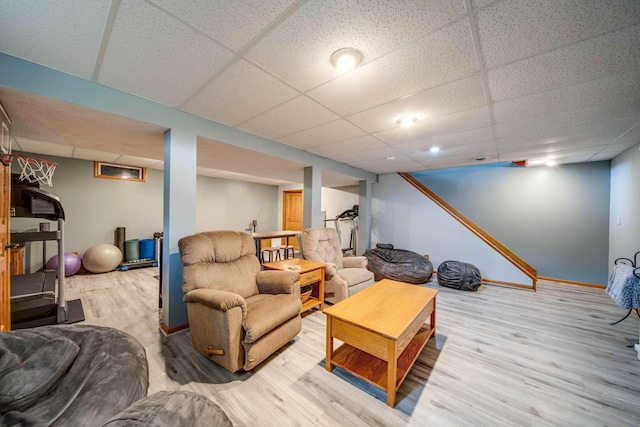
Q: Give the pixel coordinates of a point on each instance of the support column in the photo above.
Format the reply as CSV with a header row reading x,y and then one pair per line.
x,y
365,189
312,194
180,155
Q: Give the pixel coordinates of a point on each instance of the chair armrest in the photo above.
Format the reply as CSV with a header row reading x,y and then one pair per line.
x,y
355,262
330,270
217,300
277,282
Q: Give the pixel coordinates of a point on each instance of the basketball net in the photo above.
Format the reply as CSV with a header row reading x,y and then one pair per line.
x,y
34,169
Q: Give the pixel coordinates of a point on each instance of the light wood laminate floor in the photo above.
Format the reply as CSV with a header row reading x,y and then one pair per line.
x,y
501,357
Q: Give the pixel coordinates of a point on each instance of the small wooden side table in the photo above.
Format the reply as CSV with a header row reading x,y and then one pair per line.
x,y
311,273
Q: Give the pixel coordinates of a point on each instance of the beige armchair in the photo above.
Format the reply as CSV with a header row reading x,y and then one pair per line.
x,y
238,314
344,276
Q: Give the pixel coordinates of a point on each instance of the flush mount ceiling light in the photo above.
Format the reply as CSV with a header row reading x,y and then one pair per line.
x,y
346,59
434,149
406,121
550,162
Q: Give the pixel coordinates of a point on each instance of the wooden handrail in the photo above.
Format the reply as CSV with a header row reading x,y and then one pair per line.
x,y
483,235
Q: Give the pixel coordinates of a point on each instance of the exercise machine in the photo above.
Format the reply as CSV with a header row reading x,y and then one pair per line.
x,y
346,224
34,300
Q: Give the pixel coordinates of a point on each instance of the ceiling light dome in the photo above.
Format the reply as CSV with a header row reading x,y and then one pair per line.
x,y
407,121
346,59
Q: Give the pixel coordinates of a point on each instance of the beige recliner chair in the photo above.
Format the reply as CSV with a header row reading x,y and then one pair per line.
x,y
238,314
344,276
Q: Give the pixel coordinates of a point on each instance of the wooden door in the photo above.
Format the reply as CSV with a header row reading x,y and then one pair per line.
x,y
5,206
292,213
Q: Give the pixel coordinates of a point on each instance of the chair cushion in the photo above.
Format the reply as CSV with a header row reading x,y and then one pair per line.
x,y
356,276
322,245
222,260
262,316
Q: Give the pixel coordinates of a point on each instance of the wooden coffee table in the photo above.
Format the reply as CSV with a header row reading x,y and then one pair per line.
x,y
383,329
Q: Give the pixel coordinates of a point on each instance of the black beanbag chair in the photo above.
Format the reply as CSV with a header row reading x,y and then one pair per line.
x,y
398,264
459,275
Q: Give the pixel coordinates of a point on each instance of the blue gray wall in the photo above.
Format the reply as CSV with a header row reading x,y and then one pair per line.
x,y
95,207
624,228
555,218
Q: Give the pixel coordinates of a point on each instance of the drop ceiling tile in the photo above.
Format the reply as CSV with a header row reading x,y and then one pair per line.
x,y
293,116
470,152
475,136
232,23
532,27
327,133
152,55
592,120
94,155
63,35
44,148
475,118
364,156
239,93
142,162
580,95
477,4
439,57
611,53
449,98
299,50
363,143
392,167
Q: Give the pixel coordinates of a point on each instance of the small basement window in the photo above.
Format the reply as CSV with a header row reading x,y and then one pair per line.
x,y
113,171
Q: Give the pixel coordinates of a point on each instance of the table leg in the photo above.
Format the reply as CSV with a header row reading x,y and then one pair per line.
x,y
329,366
392,372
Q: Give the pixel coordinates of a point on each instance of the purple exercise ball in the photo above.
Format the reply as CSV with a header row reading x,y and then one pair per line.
x,y
72,263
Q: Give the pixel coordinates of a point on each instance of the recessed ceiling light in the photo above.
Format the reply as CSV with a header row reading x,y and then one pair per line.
x,y
346,59
390,157
406,121
434,149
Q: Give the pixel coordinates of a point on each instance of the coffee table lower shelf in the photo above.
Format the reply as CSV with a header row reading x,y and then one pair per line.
x,y
373,369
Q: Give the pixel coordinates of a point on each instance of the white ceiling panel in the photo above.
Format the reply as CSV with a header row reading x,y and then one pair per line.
x,y
475,136
61,34
546,24
442,56
375,154
291,117
154,56
616,52
580,95
233,23
363,143
325,134
475,118
299,51
239,93
43,147
528,130
394,166
541,75
137,161
94,155
449,98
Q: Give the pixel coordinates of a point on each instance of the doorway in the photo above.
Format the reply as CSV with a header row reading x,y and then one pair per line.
x,y
292,213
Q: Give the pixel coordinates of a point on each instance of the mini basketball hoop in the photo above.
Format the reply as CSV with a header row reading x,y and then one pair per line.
x,y
33,169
